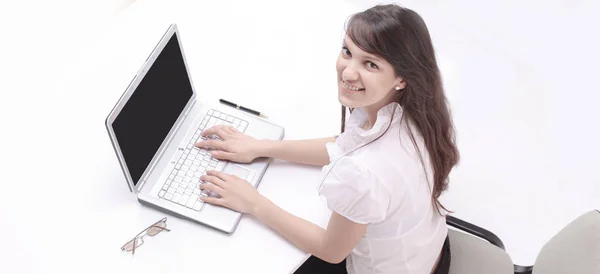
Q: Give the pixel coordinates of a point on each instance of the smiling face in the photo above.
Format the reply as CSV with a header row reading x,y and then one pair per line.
x,y
365,80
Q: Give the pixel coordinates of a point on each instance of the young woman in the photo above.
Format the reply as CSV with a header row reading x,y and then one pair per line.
x,y
383,175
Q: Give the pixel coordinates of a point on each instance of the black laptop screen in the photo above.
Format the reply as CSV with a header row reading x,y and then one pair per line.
x,y
153,108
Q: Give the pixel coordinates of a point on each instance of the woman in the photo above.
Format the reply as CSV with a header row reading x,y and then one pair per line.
x,y
383,175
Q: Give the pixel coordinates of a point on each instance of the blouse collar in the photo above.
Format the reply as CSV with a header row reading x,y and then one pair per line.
x,y
355,136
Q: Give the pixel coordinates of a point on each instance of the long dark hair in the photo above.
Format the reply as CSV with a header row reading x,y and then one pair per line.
x,y
400,36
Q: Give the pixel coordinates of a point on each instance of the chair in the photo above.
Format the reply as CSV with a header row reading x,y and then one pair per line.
x,y
573,250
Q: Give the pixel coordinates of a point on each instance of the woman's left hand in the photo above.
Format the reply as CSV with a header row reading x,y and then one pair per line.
x,y
235,193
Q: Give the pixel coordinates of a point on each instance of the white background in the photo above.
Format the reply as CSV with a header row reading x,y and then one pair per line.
x,y
520,76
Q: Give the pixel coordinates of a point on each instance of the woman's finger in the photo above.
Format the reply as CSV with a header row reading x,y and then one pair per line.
x,y
212,200
220,175
212,179
222,155
211,187
215,130
211,144
229,129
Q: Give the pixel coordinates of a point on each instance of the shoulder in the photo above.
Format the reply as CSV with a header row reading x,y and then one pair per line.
x,y
354,191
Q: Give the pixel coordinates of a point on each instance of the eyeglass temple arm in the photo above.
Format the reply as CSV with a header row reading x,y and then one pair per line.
x,y
163,228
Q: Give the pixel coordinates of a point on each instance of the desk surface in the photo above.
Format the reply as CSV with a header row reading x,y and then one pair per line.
x,y
83,210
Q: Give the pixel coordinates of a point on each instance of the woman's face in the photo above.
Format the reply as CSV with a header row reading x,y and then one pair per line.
x,y
365,80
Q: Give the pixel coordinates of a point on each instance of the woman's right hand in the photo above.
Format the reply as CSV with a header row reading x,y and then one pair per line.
x,y
232,145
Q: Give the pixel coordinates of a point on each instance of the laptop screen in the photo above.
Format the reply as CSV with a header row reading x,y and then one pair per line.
x,y
153,109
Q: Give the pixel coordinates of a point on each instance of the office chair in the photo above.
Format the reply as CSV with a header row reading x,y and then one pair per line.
x,y
573,250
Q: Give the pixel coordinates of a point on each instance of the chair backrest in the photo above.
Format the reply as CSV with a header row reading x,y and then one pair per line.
x,y
472,255
574,249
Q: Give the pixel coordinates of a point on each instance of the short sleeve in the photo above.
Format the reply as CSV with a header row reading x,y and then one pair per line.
x,y
353,191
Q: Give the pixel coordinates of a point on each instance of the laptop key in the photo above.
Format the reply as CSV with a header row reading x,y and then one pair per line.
x,y
191,202
183,200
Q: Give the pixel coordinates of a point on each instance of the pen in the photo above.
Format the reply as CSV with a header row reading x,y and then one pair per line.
x,y
251,111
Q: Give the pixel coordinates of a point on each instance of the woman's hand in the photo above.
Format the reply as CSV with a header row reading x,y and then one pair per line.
x,y
233,192
233,145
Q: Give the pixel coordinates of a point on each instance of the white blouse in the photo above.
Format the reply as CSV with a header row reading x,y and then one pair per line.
x,y
384,185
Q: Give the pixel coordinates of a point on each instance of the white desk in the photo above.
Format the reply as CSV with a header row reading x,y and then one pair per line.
x,y
81,212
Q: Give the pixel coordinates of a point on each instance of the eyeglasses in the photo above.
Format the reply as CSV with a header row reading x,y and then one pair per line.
x,y
138,240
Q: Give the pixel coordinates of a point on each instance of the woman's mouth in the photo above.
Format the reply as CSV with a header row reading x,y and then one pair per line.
x,y
352,88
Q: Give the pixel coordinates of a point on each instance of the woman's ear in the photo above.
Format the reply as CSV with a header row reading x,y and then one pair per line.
x,y
400,84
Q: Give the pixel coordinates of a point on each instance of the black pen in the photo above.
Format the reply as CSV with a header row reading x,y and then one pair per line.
x,y
251,111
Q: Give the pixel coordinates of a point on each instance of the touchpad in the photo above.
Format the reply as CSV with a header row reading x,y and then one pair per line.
x,y
239,171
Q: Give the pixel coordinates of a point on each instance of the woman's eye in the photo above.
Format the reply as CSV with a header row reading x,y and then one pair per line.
x,y
372,65
346,51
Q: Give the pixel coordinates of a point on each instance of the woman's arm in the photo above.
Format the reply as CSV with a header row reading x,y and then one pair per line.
x,y
309,152
238,147
332,244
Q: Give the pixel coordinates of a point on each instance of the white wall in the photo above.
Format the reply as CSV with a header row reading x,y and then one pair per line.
x,y
522,80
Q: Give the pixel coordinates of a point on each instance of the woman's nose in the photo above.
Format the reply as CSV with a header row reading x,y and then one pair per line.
x,y
350,73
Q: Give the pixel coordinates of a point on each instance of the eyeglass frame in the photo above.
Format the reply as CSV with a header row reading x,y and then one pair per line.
x,y
145,232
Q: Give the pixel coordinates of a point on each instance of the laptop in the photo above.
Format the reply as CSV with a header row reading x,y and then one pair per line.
x,y
153,128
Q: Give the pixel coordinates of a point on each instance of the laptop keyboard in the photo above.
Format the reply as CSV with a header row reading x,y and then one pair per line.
x,y
181,187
